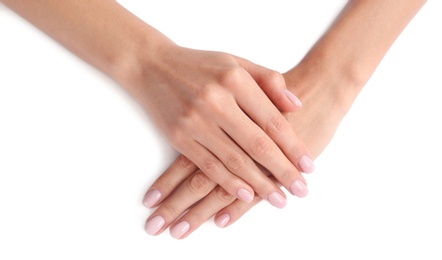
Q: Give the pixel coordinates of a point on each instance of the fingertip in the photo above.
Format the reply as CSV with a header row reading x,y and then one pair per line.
x,y
222,220
306,164
154,225
299,189
151,198
294,100
245,195
277,200
179,230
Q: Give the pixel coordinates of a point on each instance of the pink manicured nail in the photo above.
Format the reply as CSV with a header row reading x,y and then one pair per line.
x,y
306,164
299,189
180,229
293,98
222,220
154,225
245,195
277,200
151,198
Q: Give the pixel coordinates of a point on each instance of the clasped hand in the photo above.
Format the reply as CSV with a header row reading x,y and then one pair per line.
x,y
219,111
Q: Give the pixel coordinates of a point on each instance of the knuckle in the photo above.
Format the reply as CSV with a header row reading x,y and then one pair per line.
x,y
286,176
276,124
189,116
199,183
235,163
196,217
207,93
275,78
188,112
223,196
163,183
169,210
262,185
208,167
184,162
231,76
295,152
177,136
261,146
213,99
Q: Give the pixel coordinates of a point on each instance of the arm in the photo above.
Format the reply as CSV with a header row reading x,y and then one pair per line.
x,y
100,32
327,81
208,104
350,50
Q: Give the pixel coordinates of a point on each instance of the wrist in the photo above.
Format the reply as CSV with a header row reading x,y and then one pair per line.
x,y
141,52
345,57
317,83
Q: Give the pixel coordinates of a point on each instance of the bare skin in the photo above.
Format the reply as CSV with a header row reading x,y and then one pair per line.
x,y
327,81
215,108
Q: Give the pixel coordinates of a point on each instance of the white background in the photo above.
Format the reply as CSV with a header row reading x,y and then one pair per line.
x,y
76,154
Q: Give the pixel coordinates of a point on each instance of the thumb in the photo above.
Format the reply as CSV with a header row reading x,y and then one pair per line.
x,y
273,85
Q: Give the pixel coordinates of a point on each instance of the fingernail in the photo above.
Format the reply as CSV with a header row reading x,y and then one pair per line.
x,y
277,200
245,195
306,164
293,98
180,229
299,189
151,198
154,225
222,220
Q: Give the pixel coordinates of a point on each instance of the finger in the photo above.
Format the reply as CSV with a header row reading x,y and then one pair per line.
x,y
216,170
240,164
273,85
216,200
234,211
263,149
177,172
197,186
219,202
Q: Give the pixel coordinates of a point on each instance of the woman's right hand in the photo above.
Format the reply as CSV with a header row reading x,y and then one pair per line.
x,y
184,206
218,111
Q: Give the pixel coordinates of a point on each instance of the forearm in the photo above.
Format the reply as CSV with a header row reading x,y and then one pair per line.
x,y
351,49
101,32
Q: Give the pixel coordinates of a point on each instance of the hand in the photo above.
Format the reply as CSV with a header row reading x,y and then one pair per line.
x,y
315,124
214,108
209,105
328,80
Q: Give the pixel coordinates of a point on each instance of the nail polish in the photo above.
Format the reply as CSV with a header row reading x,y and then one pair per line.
x,y
180,229
222,220
306,164
154,225
293,98
245,195
299,189
151,198
277,200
